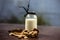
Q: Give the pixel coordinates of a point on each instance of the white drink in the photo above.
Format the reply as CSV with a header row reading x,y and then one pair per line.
x,y
30,24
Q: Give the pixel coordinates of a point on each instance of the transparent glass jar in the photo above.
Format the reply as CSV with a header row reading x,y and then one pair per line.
x,y
30,21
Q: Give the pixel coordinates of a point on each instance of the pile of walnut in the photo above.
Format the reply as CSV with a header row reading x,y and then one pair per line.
x,y
24,33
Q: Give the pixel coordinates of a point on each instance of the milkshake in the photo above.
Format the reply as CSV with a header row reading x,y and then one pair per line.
x,y
30,21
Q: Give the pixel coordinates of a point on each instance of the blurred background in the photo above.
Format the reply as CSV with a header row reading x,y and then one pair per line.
x,y
48,11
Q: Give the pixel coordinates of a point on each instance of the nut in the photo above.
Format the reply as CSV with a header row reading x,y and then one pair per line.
x,y
35,30
10,33
24,33
25,37
30,32
19,36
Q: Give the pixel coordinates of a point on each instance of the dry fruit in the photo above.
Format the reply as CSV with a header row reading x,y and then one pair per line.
x,y
24,33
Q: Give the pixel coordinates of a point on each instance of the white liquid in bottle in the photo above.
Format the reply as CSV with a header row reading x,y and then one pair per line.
x,y
31,23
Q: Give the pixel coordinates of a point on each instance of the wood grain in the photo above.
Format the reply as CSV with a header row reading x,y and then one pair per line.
x,y
46,32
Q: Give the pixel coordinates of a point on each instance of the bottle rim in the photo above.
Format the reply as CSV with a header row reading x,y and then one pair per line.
x,y
30,13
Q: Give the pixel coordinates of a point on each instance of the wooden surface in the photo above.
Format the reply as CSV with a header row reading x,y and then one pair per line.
x,y
46,32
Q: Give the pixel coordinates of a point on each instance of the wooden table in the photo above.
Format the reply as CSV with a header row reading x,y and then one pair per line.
x,y
46,32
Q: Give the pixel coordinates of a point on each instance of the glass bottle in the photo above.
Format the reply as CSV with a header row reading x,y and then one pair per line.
x,y
30,21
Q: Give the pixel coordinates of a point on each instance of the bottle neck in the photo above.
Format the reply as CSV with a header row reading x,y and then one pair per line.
x,y
29,14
